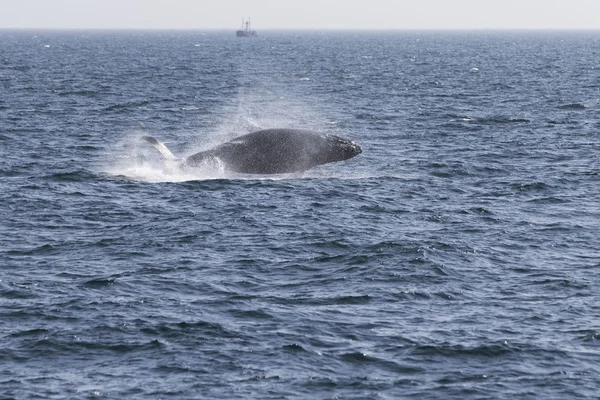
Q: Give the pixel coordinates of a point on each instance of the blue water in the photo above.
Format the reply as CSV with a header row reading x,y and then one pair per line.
x,y
457,257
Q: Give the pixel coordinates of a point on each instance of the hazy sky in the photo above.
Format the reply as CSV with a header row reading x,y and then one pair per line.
x,y
308,14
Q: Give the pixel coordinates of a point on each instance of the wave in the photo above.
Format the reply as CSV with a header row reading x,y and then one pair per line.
x,y
500,119
533,186
83,93
73,176
126,106
373,117
573,106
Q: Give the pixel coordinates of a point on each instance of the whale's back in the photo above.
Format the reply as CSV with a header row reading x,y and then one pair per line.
x,y
274,151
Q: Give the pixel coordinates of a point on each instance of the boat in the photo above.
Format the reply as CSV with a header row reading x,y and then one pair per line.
x,y
246,30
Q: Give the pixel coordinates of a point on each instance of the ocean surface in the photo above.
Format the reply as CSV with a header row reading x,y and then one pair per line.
x,y
458,257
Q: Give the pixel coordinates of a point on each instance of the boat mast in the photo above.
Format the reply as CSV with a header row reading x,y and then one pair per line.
x,y
246,29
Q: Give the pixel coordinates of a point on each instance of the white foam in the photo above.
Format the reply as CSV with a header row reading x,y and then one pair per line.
x,y
139,161
146,172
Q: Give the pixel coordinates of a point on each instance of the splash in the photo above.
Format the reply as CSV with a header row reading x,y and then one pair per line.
x,y
137,160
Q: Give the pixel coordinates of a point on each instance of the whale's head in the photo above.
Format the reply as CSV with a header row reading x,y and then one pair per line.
x,y
340,149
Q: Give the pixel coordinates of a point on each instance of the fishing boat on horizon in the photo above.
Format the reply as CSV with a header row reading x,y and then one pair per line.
x,y
246,30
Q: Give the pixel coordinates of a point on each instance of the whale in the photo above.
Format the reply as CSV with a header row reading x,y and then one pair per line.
x,y
268,151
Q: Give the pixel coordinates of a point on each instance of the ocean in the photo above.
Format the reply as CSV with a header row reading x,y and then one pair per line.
x,y
457,257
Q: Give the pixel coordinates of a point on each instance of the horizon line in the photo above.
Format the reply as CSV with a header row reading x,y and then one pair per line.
x,y
430,29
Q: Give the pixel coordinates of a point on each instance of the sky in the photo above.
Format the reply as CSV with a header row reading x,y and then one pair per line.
x,y
301,14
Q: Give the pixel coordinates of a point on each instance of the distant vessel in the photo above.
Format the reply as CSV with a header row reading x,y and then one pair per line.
x,y
246,30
